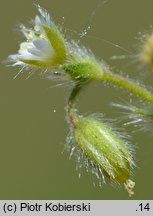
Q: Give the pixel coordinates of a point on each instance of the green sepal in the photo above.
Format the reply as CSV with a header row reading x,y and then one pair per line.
x,y
37,63
58,43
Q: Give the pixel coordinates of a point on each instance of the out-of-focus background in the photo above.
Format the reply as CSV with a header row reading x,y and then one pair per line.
x,y
33,127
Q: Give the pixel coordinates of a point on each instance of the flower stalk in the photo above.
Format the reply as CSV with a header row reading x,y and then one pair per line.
x,y
71,109
129,85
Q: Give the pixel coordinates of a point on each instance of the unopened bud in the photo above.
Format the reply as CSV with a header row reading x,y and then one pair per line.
x,y
105,149
146,54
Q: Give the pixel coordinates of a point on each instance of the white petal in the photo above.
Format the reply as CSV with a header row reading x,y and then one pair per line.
x,y
37,20
24,54
35,51
43,45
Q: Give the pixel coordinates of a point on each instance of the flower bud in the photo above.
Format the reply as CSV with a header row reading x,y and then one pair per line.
x,y
146,53
108,152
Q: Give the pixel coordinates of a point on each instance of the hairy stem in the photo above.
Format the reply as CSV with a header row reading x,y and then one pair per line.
x,y
71,110
129,85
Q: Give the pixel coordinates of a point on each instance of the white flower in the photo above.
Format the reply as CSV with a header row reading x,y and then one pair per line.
x,y
42,42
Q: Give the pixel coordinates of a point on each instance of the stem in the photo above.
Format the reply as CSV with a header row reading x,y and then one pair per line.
x,y
128,85
71,110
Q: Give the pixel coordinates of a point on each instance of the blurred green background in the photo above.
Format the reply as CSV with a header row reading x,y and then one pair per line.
x,y
33,127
